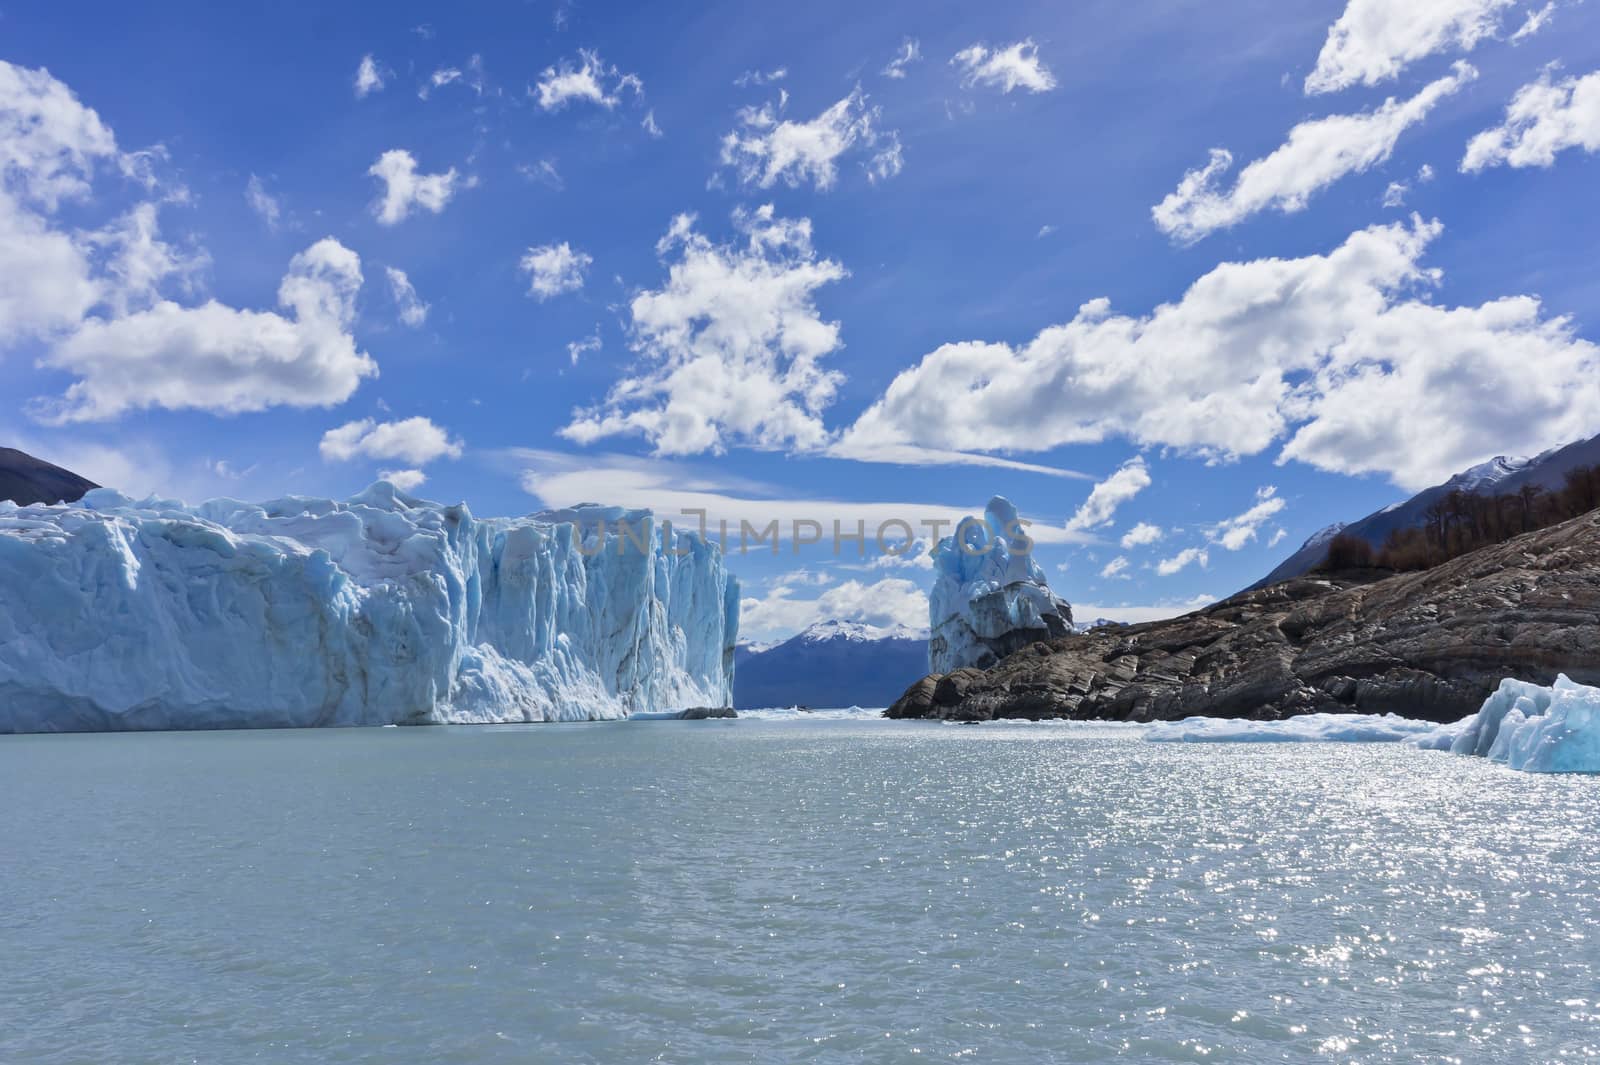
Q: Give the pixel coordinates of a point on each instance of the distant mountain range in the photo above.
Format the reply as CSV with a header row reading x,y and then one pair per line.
x,y
1498,476
25,479
831,664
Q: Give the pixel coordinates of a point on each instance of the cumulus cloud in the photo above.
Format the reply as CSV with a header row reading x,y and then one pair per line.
x,y
1128,481
1334,353
415,441
405,480
405,190
97,299
910,52
767,149
1234,533
1317,153
370,77
576,349
1545,118
217,358
408,305
1016,66
1117,567
890,601
1374,40
731,345
1183,560
591,81
1140,535
554,269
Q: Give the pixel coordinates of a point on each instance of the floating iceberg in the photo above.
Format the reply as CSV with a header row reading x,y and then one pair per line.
x,y
1530,727
1307,728
991,597
117,614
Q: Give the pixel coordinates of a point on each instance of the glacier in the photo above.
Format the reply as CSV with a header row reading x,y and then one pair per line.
x,y
990,597
1534,728
382,609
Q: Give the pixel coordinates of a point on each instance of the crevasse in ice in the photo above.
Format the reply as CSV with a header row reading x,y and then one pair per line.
x,y
990,597
383,609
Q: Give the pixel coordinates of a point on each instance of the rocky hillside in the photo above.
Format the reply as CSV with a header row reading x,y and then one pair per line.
x,y
1498,476
1429,645
25,479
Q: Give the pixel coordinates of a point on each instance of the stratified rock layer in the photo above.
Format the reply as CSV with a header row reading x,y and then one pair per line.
x,y
1430,645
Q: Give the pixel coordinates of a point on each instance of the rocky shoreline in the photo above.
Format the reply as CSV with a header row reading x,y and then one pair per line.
x,y
1426,645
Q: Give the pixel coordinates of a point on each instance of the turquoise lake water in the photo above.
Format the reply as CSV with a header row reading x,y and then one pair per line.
x,y
764,891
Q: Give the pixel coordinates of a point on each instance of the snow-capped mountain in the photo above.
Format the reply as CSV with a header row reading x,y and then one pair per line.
x,y
1497,476
830,664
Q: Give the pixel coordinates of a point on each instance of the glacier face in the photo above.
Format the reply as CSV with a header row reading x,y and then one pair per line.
x,y
383,609
990,597
1531,727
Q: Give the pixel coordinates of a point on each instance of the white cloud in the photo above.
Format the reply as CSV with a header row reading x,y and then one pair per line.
x,y
1424,174
1277,536
768,148
1234,533
1183,560
890,601
370,77
1376,39
554,269
578,348
404,189
648,124
731,344
1334,352
1140,535
1044,231
1117,567
412,311
1534,22
591,81
1545,118
671,488
1126,614
262,202
544,172
1016,66
405,480
438,80
760,77
910,52
1395,194
95,296
1128,481
416,441
1317,153
216,358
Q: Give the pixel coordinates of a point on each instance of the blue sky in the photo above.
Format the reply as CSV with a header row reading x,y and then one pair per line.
x,y
738,257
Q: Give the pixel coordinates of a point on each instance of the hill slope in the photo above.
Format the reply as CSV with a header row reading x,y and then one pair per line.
x,y
1498,476
25,479
1431,645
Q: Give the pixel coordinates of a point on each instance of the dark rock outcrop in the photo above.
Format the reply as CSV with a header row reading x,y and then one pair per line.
x,y
1428,645
706,713
25,479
